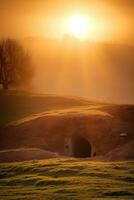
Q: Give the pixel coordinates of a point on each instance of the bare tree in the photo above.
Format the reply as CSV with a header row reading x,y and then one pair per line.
x,y
15,64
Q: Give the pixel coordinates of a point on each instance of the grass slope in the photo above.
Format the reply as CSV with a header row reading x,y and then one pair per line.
x,y
17,105
66,179
63,178
23,154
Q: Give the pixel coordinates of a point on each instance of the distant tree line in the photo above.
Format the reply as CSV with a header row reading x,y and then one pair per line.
x,y
16,67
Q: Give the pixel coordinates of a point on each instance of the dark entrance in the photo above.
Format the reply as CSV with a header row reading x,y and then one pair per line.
x,y
81,147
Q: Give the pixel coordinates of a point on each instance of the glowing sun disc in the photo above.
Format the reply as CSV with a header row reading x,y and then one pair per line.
x,y
78,25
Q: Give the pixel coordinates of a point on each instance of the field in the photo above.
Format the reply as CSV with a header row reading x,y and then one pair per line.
x,y
66,178
60,178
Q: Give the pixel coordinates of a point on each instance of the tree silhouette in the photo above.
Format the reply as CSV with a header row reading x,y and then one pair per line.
x,y
15,64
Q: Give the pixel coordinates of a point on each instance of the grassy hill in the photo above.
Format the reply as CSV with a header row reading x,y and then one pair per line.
x,y
65,179
16,105
44,121
37,119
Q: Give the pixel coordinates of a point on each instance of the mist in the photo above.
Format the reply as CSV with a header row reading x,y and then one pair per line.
x,y
100,71
100,67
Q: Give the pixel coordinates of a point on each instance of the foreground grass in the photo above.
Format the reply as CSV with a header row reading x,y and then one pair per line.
x,y
66,179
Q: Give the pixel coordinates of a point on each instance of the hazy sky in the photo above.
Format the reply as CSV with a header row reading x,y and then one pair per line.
x,y
105,75
23,18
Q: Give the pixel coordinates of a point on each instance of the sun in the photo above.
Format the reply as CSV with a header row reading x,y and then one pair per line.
x,y
78,26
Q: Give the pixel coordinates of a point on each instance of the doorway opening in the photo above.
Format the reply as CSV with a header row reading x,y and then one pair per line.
x,y
81,147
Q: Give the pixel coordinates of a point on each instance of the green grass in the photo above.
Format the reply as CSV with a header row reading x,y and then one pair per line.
x,y
60,178
66,179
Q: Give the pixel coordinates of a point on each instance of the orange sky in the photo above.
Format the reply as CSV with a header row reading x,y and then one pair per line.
x,y
113,19
101,70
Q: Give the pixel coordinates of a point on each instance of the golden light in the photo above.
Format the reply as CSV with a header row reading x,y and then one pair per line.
x,y
78,26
